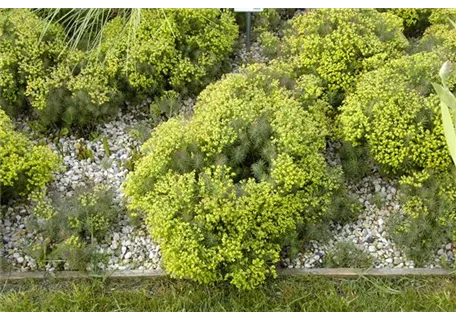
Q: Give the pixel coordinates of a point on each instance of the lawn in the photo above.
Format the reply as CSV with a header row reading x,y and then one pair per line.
x,y
310,293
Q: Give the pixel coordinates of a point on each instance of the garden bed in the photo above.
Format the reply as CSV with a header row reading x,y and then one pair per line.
x,y
365,206
129,246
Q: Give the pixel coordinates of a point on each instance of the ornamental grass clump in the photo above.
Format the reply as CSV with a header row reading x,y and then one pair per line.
x,y
219,191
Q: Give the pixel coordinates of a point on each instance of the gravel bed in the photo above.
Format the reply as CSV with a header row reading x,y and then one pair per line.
x,y
128,244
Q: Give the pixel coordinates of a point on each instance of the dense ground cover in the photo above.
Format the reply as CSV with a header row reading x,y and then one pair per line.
x,y
167,145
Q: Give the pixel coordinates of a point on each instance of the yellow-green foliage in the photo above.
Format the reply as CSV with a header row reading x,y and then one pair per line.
x,y
307,89
181,49
26,58
220,190
429,202
81,90
61,85
73,226
24,167
395,111
441,16
441,35
411,16
415,20
339,44
266,20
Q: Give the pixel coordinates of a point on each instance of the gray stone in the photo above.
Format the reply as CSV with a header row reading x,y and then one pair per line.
x,y
370,239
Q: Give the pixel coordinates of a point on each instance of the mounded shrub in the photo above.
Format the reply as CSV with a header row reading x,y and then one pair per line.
x,y
339,44
82,91
176,49
221,189
26,58
440,37
24,167
441,16
429,203
62,86
396,113
172,49
415,20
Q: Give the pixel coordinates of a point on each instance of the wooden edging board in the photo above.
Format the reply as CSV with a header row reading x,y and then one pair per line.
x,y
328,272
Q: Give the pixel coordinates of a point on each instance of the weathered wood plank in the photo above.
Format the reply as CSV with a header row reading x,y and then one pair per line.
x,y
328,272
80,275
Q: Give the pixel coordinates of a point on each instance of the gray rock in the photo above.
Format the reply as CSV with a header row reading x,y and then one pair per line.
x,y
369,239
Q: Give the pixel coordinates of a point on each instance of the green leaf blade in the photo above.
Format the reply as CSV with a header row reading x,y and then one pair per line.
x,y
449,130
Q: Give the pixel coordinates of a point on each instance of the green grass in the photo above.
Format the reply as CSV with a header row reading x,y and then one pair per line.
x,y
310,293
